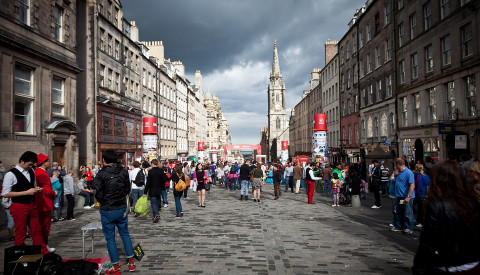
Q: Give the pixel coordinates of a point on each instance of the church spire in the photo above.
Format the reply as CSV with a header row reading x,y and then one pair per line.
x,y
276,65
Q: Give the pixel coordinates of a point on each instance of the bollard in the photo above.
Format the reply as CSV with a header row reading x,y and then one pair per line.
x,y
80,201
356,201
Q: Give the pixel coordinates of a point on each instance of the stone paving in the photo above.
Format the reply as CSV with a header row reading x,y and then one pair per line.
x,y
287,236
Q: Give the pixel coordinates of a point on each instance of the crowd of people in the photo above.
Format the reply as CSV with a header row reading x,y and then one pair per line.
x,y
441,199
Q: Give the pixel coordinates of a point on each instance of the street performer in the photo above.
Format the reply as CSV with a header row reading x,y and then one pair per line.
x,y
44,200
19,184
310,178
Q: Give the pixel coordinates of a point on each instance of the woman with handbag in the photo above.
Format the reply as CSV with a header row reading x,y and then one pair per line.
x,y
257,182
177,174
450,238
200,177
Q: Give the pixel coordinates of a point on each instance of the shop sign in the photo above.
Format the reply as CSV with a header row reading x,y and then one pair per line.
x,y
461,142
446,129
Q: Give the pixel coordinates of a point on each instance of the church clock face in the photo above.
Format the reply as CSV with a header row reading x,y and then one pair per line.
x,y
277,106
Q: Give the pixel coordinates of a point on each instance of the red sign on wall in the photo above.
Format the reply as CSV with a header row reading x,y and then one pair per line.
x,y
284,145
201,146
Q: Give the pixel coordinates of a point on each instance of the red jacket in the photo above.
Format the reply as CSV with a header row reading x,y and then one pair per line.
x,y
44,200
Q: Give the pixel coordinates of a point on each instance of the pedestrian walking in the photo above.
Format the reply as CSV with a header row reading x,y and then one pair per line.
x,y
244,180
113,187
376,181
137,181
57,187
277,178
186,172
422,181
69,194
450,238
297,177
156,180
336,185
177,174
200,177
405,193
288,174
393,199
257,182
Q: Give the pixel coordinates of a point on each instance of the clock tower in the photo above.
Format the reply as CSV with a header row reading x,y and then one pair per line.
x,y
277,117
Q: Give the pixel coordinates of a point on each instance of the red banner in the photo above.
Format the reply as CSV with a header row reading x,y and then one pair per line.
x,y
201,146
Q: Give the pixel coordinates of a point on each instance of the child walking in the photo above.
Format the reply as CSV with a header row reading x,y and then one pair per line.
x,y
336,184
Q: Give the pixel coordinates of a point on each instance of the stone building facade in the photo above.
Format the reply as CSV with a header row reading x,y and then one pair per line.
x,y
39,74
437,71
376,79
349,93
331,100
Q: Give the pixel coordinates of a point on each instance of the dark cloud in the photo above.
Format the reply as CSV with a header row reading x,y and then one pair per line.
x,y
231,42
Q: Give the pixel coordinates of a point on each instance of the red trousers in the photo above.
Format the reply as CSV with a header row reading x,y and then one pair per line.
x,y
26,215
45,220
311,190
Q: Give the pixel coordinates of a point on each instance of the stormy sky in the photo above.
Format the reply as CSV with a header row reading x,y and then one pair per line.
x,y
231,43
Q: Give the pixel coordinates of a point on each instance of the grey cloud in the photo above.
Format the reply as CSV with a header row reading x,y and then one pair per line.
x,y
217,36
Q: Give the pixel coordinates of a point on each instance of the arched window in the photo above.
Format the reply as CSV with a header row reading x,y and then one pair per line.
x,y
375,127
278,123
362,125
383,125
369,127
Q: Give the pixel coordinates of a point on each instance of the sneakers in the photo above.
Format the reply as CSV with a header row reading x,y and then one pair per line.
x,y
419,225
131,265
92,206
181,214
394,229
177,216
376,207
156,219
333,205
50,249
165,205
113,271
61,219
87,207
70,219
407,231
391,225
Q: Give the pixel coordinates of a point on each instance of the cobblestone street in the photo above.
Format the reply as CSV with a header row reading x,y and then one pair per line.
x,y
287,236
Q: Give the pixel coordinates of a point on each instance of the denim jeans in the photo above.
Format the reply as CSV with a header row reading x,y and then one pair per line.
x,y
89,198
393,205
302,183
404,215
233,184
155,202
135,194
288,182
244,190
164,196
326,186
185,192
178,205
110,219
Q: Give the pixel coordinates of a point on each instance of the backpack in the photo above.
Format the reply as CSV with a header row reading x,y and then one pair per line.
x,y
233,170
140,178
180,185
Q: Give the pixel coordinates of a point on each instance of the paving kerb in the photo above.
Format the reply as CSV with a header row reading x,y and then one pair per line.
x,y
287,236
